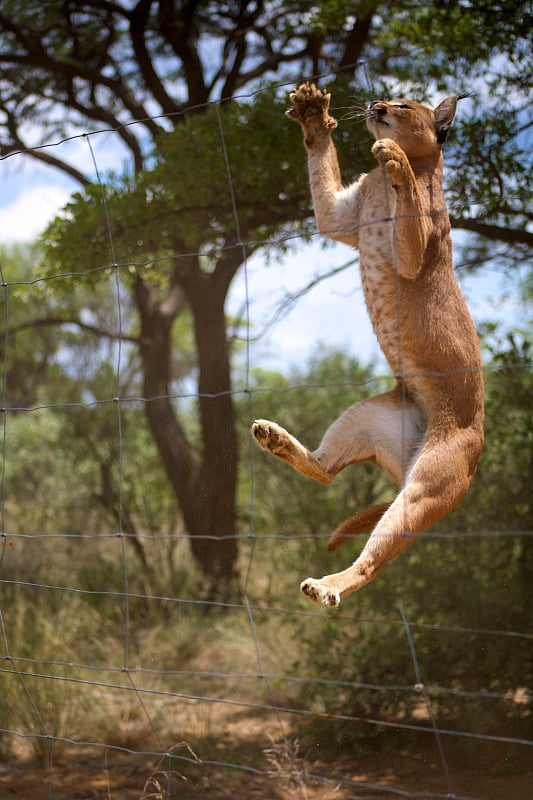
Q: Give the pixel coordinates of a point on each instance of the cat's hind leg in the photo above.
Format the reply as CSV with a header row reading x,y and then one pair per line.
x,y
386,429
272,437
437,482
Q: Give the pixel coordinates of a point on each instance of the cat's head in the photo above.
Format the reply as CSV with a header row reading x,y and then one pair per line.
x,y
420,131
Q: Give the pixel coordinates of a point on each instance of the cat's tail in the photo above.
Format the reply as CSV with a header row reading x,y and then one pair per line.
x,y
362,522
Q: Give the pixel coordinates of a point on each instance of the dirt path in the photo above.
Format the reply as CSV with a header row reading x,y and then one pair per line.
x,y
115,775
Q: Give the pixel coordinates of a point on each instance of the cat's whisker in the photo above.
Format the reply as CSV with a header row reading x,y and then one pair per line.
x,y
351,115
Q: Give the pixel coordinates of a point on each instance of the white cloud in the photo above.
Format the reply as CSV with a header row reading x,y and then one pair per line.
x,y
27,216
33,192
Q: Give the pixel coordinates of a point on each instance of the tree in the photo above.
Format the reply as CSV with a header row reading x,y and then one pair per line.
x,y
25,361
501,488
188,256
68,455
161,73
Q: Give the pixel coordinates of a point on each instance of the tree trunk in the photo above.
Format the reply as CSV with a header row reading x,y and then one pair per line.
x,y
206,491
215,487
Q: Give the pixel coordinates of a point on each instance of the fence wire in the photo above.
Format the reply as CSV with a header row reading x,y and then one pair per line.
x,y
255,690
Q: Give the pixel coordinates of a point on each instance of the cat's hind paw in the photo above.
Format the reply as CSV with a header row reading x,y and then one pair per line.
x,y
318,592
270,436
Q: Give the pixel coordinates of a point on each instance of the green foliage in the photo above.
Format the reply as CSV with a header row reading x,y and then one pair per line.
x,y
26,359
219,175
459,593
453,41
192,57
499,498
184,204
306,402
91,467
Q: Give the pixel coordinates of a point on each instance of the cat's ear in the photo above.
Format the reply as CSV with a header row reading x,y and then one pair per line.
x,y
443,115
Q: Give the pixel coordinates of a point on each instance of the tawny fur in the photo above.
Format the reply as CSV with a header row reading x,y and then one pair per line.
x,y
427,433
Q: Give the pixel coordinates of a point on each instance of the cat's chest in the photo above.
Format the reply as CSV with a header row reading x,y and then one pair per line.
x,y
377,256
379,288
380,284
377,264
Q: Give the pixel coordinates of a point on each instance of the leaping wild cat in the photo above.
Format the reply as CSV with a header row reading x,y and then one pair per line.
x,y
427,433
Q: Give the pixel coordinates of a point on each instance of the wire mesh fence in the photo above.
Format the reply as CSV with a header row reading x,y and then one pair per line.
x,y
127,676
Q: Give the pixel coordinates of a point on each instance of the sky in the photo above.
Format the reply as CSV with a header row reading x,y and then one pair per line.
x,y
332,313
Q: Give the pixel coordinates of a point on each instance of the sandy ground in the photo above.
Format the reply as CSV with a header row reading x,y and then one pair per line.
x,y
103,773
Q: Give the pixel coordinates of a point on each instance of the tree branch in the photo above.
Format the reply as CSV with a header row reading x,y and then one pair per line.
x,y
270,64
356,40
45,158
138,19
176,28
101,114
494,232
33,53
57,321
18,146
291,298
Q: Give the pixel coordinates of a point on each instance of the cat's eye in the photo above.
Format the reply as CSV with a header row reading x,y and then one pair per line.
x,y
401,105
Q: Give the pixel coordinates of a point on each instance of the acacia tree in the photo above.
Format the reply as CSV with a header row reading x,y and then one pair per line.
x,y
150,70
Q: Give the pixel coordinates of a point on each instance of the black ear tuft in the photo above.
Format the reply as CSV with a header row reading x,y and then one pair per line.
x,y
443,115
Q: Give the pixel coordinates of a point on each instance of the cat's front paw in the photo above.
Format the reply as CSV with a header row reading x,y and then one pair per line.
x,y
385,150
310,108
392,158
318,592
